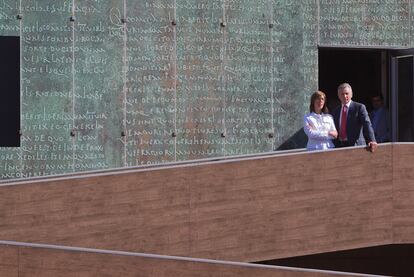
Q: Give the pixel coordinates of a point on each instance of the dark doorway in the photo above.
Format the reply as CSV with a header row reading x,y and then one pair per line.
x,y
372,72
402,92
364,69
10,91
390,260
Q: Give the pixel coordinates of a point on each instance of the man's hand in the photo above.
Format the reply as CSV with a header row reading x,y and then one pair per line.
x,y
372,146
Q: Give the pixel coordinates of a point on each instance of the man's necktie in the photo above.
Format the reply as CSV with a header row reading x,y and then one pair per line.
x,y
342,132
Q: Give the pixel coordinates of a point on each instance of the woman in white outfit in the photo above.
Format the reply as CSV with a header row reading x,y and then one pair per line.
x,y
318,124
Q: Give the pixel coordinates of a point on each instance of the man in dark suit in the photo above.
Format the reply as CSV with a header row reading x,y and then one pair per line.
x,y
379,119
352,121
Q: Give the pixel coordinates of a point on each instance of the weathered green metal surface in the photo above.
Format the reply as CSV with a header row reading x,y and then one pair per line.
x,y
9,25
200,102
116,83
150,98
98,85
365,23
46,68
248,77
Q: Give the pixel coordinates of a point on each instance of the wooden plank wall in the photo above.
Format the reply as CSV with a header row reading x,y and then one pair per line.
x,y
46,262
9,261
250,210
284,206
403,204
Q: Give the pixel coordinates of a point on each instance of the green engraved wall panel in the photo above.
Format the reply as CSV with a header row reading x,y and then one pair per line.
x,y
248,77
117,83
294,63
46,72
98,85
365,23
9,25
200,100
150,82
411,17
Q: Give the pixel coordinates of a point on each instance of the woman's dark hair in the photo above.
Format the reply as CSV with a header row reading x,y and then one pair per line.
x,y
318,95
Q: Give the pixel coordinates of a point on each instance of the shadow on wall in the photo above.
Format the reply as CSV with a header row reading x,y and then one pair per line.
x,y
390,260
298,140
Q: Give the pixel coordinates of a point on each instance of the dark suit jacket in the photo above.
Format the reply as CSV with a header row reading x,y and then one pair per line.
x,y
358,126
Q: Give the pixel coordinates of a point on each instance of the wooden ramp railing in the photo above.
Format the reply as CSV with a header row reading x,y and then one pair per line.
x,y
252,209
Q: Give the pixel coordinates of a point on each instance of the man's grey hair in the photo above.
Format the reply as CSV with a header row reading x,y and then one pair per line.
x,y
343,86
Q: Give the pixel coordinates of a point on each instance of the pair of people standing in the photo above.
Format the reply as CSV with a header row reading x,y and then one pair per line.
x,y
349,124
